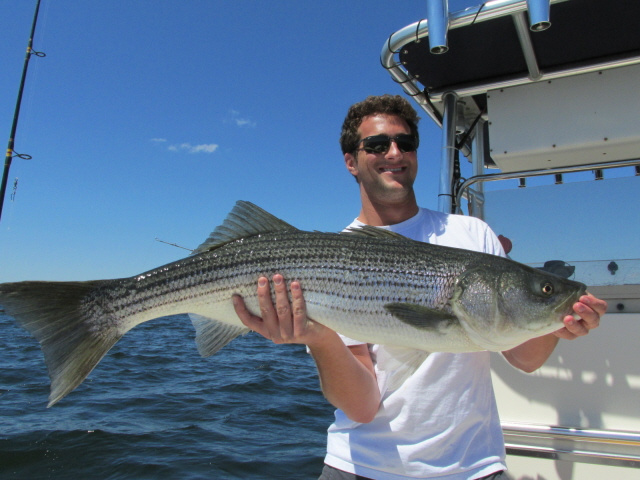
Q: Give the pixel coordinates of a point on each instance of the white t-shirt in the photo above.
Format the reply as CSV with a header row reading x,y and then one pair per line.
x,y
442,422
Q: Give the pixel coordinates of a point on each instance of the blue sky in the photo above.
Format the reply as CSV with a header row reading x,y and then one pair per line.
x,y
149,119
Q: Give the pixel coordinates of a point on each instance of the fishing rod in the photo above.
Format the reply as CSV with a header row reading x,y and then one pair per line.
x,y
10,152
173,244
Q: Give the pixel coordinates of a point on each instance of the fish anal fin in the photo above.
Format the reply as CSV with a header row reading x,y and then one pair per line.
x,y
244,220
212,335
421,317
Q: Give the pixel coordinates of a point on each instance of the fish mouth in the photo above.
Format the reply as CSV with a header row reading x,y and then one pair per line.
x,y
566,307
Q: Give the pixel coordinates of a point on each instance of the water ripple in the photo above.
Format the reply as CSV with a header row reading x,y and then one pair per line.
x,y
154,409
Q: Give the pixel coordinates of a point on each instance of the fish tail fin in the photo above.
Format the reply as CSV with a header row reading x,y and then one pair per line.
x,y
59,317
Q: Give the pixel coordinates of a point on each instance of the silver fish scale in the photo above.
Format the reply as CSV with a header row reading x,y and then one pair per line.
x,y
344,276
381,271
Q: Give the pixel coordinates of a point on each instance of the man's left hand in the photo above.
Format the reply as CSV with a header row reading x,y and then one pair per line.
x,y
589,309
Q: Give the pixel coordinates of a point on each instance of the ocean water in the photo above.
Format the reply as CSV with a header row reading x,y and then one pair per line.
x,y
154,409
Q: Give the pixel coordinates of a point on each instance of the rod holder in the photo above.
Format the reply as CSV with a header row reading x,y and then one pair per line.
x,y
438,22
538,15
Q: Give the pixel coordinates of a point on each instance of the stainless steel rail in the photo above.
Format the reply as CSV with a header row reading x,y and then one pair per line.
x,y
490,177
605,447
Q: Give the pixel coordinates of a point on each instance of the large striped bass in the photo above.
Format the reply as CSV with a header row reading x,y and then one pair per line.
x,y
371,284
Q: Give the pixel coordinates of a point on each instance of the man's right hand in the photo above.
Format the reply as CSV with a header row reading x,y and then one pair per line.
x,y
284,322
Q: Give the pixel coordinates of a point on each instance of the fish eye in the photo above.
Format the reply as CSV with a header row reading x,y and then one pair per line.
x,y
547,288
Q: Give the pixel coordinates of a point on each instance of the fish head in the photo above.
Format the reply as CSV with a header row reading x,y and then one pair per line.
x,y
504,303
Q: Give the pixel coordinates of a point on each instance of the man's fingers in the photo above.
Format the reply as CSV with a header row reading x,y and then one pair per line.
x,y
298,308
267,311
281,321
577,328
246,317
283,308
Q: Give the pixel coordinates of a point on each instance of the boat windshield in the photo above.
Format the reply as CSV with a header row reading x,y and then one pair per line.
x,y
593,225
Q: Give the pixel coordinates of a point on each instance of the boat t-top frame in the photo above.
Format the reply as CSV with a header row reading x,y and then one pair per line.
x,y
533,87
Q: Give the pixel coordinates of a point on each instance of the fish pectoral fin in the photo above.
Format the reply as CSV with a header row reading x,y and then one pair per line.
x,y
212,335
422,317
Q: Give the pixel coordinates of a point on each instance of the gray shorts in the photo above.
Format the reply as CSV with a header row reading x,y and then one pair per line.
x,y
330,473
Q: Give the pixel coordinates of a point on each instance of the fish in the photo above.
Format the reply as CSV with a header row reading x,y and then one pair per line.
x,y
369,284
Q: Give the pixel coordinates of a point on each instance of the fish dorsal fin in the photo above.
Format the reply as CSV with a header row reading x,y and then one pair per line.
x,y
369,231
244,220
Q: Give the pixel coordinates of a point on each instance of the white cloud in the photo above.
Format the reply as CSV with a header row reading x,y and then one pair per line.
x,y
239,121
158,140
207,148
187,147
242,122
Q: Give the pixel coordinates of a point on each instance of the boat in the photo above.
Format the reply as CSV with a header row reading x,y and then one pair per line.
x,y
538,101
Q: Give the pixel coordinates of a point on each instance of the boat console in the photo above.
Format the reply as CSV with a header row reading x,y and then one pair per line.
x,y
531,89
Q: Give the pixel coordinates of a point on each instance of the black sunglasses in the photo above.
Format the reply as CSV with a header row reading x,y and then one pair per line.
x,y
382,143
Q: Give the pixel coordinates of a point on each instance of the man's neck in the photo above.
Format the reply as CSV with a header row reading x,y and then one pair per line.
x,y
378,214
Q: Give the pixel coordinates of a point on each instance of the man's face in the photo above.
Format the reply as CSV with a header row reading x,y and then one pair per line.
x,y
384,176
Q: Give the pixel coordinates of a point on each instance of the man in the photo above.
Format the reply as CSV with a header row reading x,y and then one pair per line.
x,y
442,421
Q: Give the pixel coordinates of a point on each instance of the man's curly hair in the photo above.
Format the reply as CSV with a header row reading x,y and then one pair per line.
x,y
375,105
